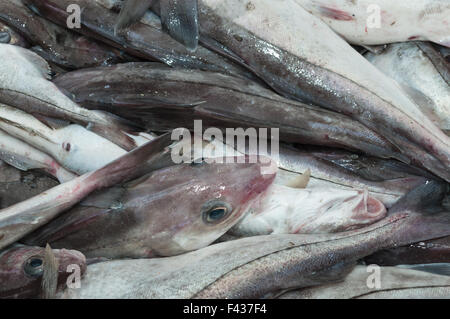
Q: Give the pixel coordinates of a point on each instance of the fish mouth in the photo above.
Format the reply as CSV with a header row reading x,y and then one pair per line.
x,y
367,211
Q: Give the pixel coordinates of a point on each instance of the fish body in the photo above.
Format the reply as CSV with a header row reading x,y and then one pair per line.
x,y
143,40
410,66
25,157
287,210
76,148
367,22
55,43
265,266
163,98
20,219
168,212
24,84
22,269
430,251
319,67
395,283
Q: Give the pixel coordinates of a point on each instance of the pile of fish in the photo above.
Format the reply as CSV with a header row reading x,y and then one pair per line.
x,y
355,95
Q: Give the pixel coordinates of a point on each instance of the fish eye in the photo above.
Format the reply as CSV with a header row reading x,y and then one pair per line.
x,y
5,37
215,211
34,266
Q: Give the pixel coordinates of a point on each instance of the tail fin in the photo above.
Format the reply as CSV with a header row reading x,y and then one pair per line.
x,y
425,216
113,128
132,11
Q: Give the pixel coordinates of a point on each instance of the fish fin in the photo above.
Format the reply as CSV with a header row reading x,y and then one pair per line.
x,y
423,213
300,181
50,122
179,18
436,268
49,282
87,211
132,11
40,63
426,198
117,137
115,129
104,199
127,167
375,49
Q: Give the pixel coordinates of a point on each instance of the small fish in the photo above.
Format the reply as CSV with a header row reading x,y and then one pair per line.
x,y
375,22
74,147
21,219
411,67
395,283
24,84
265,266
22,269
167,212
25,157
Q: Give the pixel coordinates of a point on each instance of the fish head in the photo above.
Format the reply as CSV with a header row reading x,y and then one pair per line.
x,y
343,210
201,201
22,269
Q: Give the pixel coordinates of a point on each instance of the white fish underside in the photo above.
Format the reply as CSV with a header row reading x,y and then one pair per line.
x,y
74,147
399,20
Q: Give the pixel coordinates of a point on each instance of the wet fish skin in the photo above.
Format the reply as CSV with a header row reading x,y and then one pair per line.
x,y
178,18
395,283
17,186
430,251
425,20
144,41
321,72
410,65
23,156
295,261
55,43
18,220
131,12
164,98
287,210
138,221
21,280
70,145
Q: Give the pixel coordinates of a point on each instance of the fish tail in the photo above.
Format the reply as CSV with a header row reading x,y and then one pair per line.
x,y
425,216
132,11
